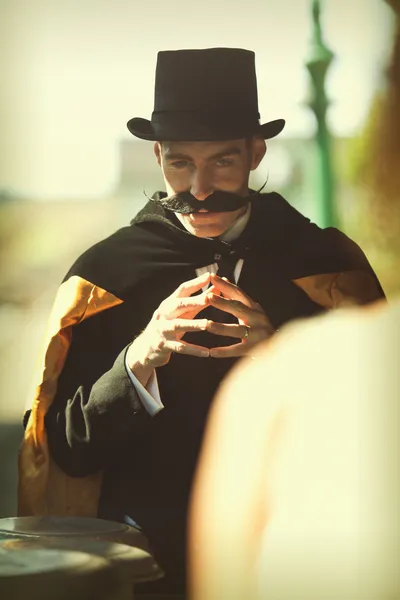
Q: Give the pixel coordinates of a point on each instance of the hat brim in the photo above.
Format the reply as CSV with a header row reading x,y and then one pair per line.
x,y
143,129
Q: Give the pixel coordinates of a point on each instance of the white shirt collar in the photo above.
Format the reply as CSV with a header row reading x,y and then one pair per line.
x,y
237,228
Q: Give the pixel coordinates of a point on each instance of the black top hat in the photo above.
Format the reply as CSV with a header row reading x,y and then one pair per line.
x,y
205,95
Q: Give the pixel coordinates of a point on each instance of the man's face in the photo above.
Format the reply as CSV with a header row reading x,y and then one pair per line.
x,y
204,167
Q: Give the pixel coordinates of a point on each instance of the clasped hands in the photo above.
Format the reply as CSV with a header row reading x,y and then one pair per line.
x,y
176,316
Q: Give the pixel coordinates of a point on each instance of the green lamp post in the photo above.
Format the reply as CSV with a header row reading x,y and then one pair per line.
x,y
319,60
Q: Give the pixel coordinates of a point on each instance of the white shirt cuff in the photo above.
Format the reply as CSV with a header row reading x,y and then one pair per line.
x,y
149,395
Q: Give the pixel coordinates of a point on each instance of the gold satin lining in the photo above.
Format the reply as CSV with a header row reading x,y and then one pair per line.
x,y
44,489
337,290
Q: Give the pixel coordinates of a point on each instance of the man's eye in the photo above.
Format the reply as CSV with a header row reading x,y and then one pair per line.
x,y
223,162
180,164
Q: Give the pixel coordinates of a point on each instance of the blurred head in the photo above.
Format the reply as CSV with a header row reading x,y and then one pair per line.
x,y
202,168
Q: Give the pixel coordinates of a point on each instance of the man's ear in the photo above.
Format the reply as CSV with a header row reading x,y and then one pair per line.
x,y
259,149
157,152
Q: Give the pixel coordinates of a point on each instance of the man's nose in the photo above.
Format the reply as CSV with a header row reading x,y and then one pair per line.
x,y
201,186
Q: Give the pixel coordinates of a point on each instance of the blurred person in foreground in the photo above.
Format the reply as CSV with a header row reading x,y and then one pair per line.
x,y
298,499
148,322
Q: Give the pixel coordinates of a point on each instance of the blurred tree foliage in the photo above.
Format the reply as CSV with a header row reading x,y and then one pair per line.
x,y
374,169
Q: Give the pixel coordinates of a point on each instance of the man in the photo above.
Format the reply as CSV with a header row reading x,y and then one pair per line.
x,y
139,342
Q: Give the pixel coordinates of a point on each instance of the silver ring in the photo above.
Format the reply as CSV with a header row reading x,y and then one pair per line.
x,y
246,335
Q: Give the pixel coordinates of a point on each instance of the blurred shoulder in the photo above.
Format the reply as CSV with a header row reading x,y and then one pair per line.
x,y
320,359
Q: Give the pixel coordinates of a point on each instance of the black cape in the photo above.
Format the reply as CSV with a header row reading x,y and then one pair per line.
x,y
95,420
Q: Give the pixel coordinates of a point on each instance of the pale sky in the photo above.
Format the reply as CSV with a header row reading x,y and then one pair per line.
x,y
74,71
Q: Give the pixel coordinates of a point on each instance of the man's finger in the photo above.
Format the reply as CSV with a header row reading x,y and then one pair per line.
x,y
180,347
187,288
178,326
232,351
232,291
191,313
228,330
233,307
179,306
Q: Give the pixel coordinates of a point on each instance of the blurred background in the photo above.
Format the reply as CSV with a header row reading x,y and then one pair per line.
x,y
74,71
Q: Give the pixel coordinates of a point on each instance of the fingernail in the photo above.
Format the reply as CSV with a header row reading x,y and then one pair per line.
x,y
205,353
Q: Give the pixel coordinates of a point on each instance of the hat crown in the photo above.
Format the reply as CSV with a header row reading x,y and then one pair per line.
x,y
204,95
215,80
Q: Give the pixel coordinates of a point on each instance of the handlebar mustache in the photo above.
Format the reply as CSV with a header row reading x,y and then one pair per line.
x,y
218,201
